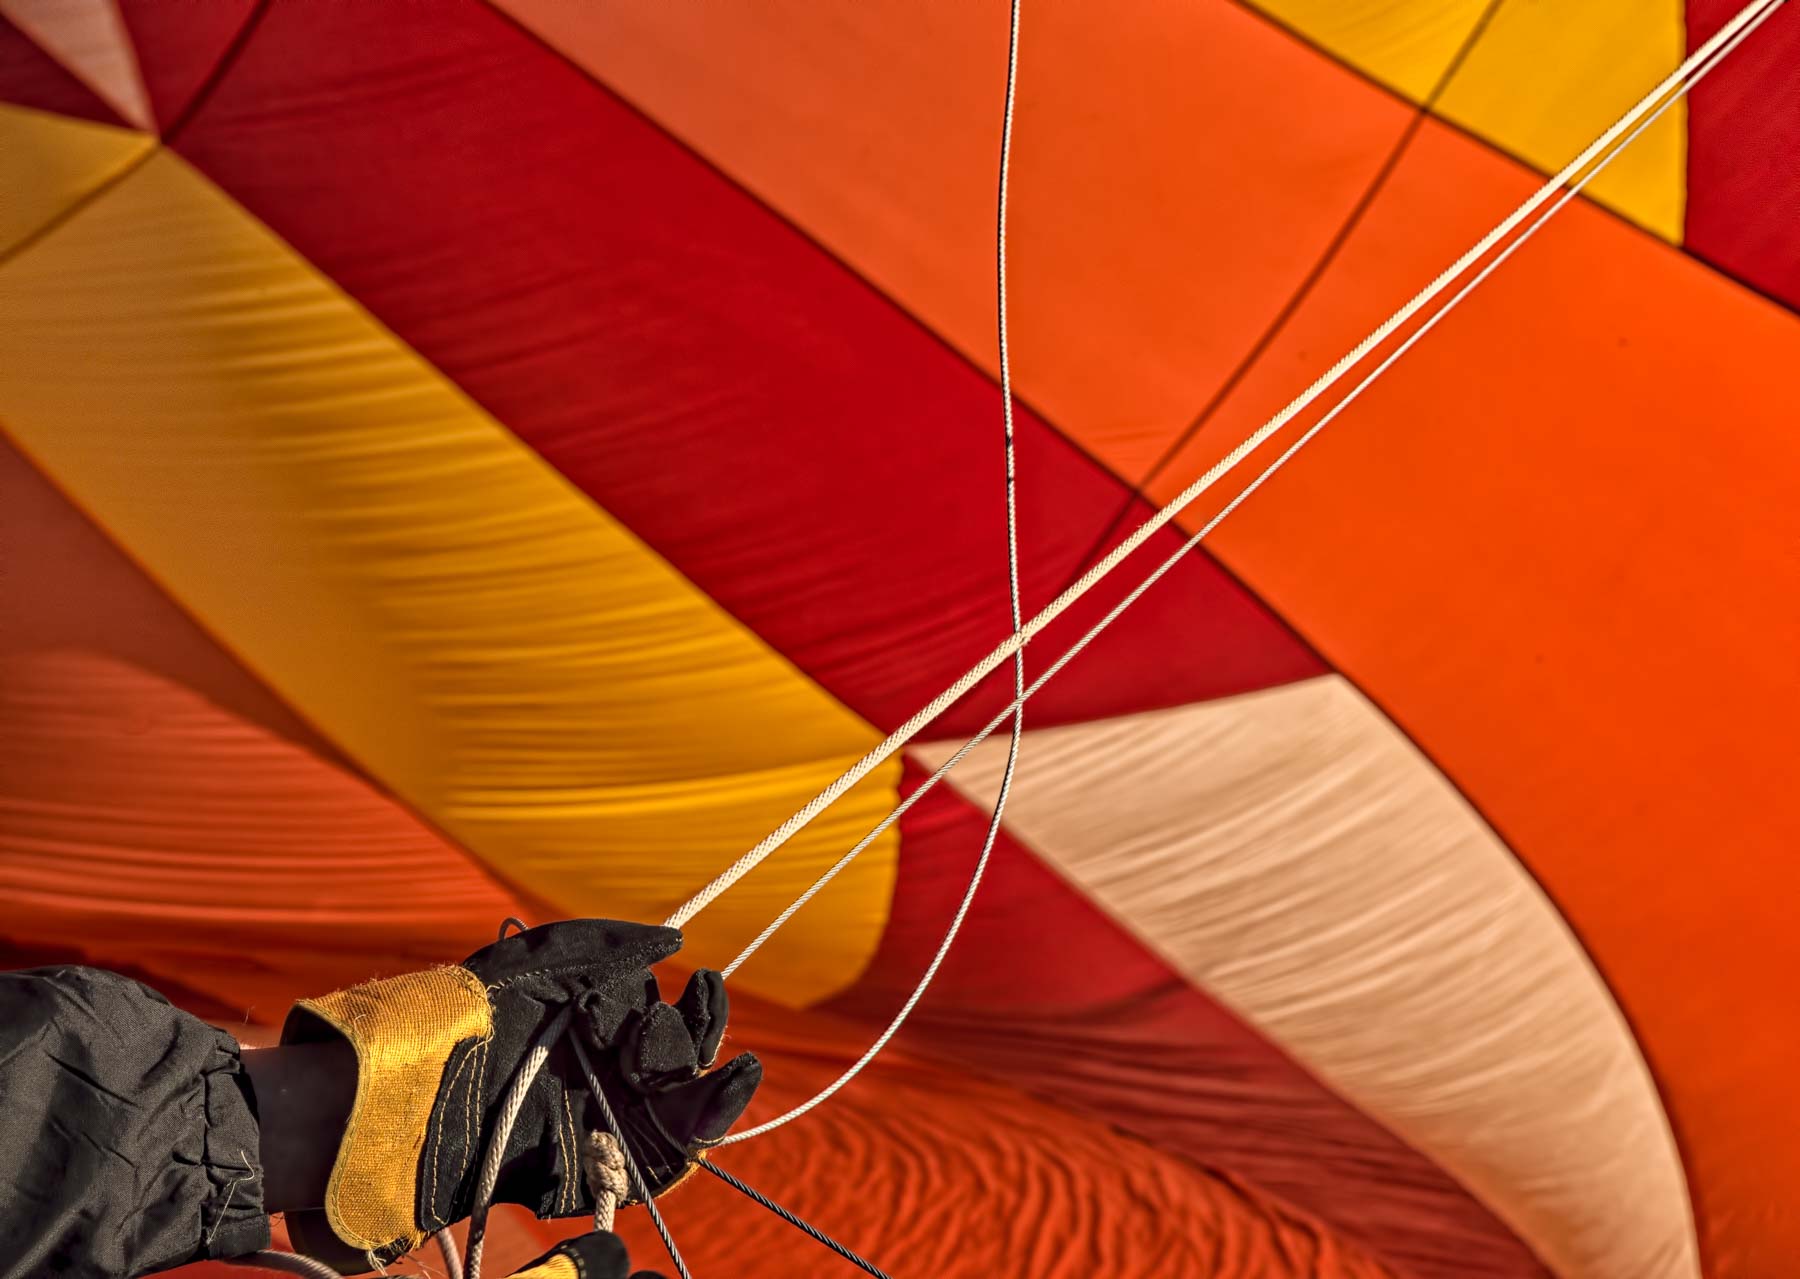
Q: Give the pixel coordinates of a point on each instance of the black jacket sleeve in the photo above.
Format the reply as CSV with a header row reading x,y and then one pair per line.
x,y
128,1135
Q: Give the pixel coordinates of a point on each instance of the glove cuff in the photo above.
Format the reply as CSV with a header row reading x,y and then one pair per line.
x,y
403,1030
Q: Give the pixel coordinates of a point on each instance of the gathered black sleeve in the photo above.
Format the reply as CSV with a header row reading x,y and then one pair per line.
x,y
128,1134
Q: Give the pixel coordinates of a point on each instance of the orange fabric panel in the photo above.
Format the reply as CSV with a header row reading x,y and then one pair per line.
x,y
1558,544
141,822
1539,81
68,589
1174,174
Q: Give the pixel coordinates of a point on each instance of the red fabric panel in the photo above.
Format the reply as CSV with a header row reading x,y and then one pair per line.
x,y
796,445
1743,200
1042,985
178,46
30,77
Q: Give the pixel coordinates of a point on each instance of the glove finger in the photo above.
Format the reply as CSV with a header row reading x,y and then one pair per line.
x,y
703,1109
705,1007
657,1050
556,957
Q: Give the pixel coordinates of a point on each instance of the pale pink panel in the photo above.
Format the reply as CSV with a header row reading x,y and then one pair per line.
x,y
89,38
1295,856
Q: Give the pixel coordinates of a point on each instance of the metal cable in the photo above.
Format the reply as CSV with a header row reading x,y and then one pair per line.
x,y
631,1165
799,1223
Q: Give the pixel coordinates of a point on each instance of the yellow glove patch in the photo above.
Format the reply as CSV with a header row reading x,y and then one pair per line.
x,y
402,1029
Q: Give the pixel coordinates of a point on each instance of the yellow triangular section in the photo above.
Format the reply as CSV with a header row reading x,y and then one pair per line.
x,y
88,37
49,162
1542,81
428,591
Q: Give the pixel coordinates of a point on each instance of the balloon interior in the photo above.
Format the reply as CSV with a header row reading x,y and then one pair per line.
x,y
503,459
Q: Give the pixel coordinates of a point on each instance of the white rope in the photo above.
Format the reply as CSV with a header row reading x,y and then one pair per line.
x,y
1016,709
603,1167
289,1263
514,1102
446,1243
1069,654
528,1071
1753,12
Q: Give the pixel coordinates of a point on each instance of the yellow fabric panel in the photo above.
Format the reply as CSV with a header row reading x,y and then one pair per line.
x,y
48,162
425,589
1405,44
1541,83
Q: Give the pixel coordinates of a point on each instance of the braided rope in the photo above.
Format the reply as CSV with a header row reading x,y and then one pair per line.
x,y
1703,69
1752,13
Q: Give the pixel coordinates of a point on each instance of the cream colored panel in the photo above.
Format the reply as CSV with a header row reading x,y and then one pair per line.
x,y
1294,855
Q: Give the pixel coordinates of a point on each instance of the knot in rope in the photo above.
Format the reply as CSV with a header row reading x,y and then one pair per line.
x,y
603,1167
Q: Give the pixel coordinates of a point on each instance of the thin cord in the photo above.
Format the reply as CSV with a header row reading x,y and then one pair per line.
x,y
1752,12
799,1223
520,1088
1017,708
1013,593
631,1165
1069,654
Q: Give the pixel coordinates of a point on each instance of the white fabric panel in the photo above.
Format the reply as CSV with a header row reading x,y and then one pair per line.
x,y
89,38
1293,854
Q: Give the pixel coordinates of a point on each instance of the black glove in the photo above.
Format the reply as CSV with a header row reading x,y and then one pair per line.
x,y
596,1255
438,1050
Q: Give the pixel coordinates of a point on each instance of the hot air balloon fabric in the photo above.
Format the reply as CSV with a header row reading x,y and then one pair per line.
x,y
471,459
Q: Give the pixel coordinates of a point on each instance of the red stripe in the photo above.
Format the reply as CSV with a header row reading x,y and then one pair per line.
x,y
1044,988
1743,199
795,444
179,46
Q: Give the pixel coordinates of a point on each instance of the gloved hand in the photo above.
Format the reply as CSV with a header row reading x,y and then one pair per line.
x,y
437,1050
595,1255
